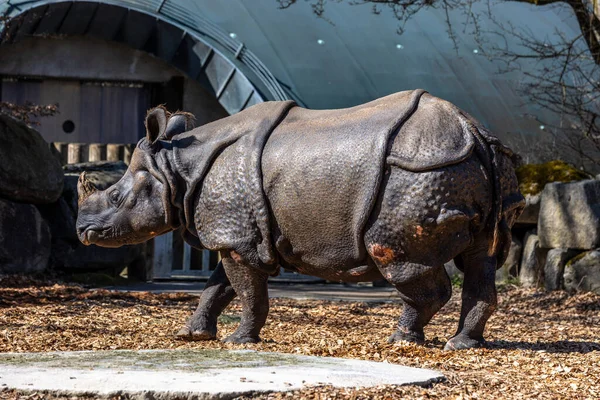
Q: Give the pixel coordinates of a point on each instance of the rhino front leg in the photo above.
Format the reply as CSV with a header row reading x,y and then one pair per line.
x,y
479,298
250,284
216,296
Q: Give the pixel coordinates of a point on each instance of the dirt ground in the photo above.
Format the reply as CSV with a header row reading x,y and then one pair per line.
x,y
540,345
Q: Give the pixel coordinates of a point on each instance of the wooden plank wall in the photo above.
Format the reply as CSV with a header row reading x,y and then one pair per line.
x,y
101,112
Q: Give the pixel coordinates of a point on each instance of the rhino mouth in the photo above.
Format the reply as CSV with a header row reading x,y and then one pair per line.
x,y
93,235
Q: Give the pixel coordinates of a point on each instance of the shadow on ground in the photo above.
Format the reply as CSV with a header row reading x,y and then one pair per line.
x,y
560,346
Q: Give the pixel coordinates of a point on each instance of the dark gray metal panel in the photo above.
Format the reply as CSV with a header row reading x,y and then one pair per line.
x,y
107,21
91,112
30,21
20,92
78,18
236,94
203,80
168,39
113,114
203,52
255,99
218,71
136,30
186,59
53,18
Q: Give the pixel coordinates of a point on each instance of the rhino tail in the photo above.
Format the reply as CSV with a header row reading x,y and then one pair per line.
x,y
507,203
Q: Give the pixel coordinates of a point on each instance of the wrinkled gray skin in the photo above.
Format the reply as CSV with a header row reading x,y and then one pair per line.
x,y
419,219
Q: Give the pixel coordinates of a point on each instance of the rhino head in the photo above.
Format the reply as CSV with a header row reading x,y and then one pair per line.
x,y
137,207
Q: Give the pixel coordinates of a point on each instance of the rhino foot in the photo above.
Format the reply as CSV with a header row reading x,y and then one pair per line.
x,y
412,337
186,333
461,342
237,338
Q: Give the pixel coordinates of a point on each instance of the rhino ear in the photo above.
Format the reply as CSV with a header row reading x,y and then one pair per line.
x,y
178,123
156,123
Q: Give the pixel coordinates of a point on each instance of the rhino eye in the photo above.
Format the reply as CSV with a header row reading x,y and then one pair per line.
x,y
114,196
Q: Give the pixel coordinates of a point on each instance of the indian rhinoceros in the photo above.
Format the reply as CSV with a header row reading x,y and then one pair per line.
x,y
390,189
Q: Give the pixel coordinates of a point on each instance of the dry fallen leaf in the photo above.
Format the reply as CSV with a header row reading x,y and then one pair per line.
x,y
540,345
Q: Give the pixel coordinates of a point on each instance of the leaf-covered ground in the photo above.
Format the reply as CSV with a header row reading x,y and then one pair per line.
x,y
540,345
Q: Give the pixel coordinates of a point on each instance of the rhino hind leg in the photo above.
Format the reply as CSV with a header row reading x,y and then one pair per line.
x,y
479,298
216,296
423,289
250,284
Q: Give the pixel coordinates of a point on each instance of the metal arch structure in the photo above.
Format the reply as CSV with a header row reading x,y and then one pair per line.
x,y
181,37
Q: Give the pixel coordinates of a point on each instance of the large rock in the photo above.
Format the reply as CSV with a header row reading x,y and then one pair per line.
x,y
67,251
530,273
29,173
24,239
511,265
583,273
452,270
555,267
570,215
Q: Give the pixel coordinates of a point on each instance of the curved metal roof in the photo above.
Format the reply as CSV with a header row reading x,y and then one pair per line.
x,y
167,29
356,56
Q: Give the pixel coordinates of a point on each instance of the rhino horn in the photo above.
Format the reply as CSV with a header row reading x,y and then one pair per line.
x,y
85,188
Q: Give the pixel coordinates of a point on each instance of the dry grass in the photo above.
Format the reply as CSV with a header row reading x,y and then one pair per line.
x,y
541,345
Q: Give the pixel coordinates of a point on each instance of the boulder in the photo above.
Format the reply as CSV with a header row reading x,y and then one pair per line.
x,y
530,273
511,265
531,212
29,172
582,273
570,215
555,267
68,252
24,239
452,270
61,217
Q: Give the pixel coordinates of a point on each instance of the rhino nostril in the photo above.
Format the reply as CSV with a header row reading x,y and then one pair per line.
x,y
80,231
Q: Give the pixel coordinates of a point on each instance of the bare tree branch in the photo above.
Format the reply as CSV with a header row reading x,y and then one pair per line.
x,y
28,112
561,75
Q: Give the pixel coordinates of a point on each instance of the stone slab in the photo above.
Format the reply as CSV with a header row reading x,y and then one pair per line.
x,y
529,273
570,215
201,374
554,268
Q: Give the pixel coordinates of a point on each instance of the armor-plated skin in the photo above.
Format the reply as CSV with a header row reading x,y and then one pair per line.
x,y
393,188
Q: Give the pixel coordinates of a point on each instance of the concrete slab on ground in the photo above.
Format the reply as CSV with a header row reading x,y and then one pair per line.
x,y
202,374
298,291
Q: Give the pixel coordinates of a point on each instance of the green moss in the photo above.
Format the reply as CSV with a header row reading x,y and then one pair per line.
x,y
457,281
577,258
533,177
